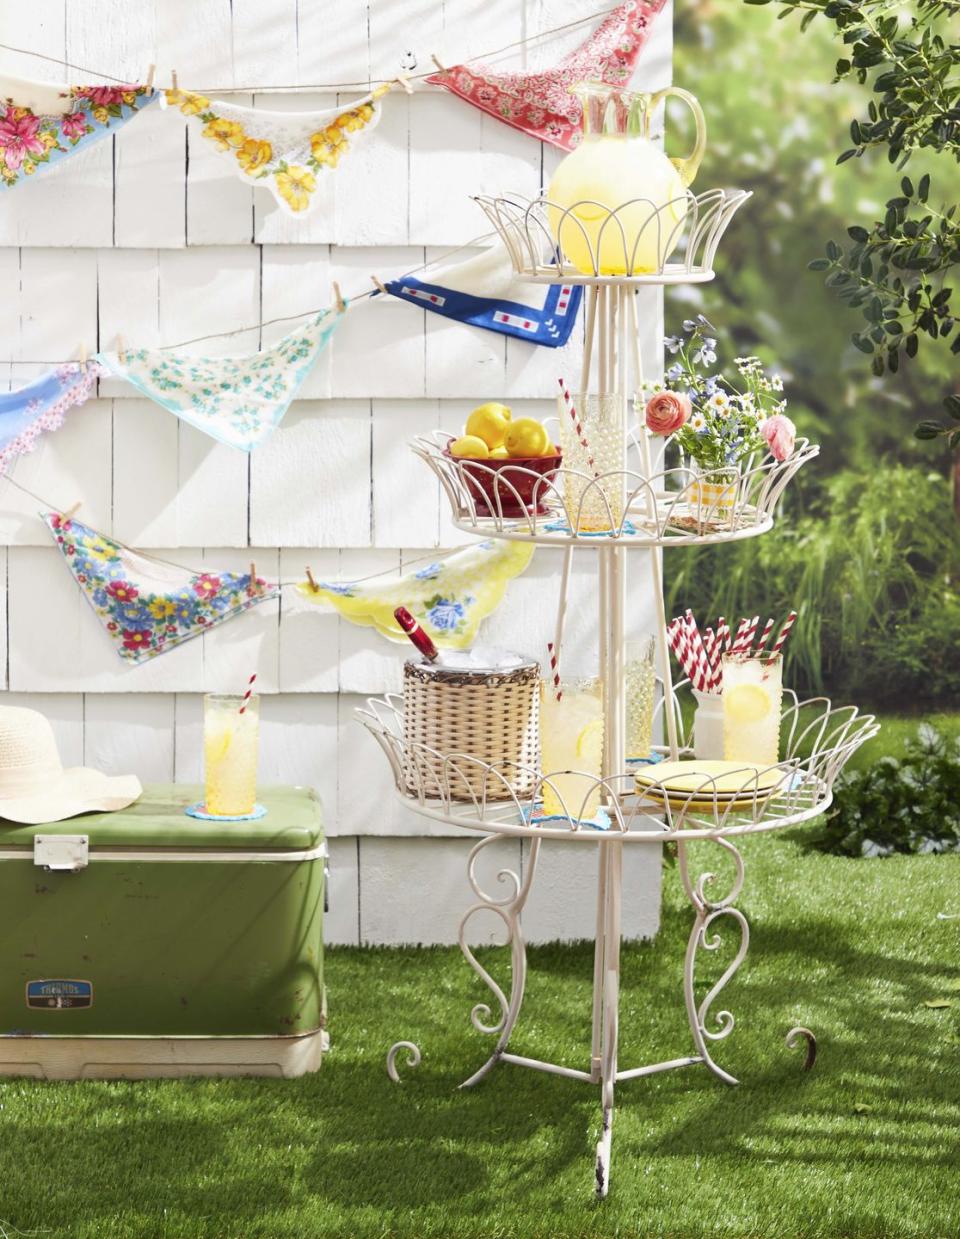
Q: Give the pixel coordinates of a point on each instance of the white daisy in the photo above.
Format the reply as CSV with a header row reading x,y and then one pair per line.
x,y
698,423
720,403
776,383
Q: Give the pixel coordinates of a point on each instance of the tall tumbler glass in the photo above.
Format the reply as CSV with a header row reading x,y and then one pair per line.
x,y
641,681
571,748
230,751
594,504
752,700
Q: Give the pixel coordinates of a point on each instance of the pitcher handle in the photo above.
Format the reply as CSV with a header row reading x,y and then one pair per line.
x,y
690,164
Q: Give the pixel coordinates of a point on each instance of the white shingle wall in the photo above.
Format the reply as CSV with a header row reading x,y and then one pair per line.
x,y
150,235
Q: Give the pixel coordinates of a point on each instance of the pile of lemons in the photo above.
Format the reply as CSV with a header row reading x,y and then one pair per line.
x,y
492,434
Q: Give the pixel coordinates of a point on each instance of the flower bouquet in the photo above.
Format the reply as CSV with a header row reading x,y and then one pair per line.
x,y
718,423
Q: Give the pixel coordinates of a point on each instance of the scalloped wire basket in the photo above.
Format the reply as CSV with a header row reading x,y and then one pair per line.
x,y
682,235
817,739
673,506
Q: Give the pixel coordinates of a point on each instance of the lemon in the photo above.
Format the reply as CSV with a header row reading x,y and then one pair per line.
x,y
590,744
217,747
527,437
469,445
499,453
747,703
489,422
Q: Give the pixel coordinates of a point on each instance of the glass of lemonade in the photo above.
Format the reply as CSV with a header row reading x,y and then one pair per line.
x,y
593,506
752,698
230,750
641,683
571,748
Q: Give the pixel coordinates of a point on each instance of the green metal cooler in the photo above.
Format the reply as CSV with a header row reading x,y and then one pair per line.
x,y
148,943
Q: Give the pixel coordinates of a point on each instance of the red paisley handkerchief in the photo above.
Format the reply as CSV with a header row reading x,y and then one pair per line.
x,y
540,103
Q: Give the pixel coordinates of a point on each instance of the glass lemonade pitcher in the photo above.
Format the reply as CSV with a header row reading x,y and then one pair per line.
x,y
617,203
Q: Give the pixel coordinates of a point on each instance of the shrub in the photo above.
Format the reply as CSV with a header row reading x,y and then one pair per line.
x,y
906,805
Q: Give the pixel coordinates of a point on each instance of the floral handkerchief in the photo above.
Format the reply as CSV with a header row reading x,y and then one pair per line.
x,y
148,607
238,400
32,141
449,597
41,406
282,151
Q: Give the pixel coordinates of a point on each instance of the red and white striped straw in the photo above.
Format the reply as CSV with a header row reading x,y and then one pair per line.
x,y
555,670
577,425
723,635
738,639
249,693
751,633
765,635
784,633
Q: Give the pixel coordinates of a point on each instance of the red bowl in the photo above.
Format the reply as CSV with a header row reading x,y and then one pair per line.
x,y
510,487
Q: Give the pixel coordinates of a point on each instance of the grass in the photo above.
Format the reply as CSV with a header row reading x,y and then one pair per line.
x,y
863,1145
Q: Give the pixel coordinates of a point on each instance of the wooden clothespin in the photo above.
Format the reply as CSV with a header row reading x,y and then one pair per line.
x,y
173,79
340,303
120,349
402,80
151,72
379,284
442,68
83,356
254,583
313,585
71,512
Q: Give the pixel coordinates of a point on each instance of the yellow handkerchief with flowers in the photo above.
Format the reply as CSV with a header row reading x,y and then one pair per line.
x,y
449,597
281,151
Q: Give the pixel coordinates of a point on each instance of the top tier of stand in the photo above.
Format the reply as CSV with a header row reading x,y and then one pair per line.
x,y
682,235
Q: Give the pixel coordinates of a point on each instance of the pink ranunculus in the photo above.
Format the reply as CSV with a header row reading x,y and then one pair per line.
x,y
667,411
19,132
74,124
780,435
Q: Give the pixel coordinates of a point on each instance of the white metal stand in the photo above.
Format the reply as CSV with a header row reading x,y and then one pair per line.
x,y
819,737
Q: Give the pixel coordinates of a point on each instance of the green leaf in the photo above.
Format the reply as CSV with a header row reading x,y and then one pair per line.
x,y
856,233
818,264
861,1107
952,405
938,1004
833,250
928,430
847,155
859,342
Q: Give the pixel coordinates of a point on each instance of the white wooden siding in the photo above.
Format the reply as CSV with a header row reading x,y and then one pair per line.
x,y
150,235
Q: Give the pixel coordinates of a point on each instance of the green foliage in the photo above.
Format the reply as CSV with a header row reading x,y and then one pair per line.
x,y
896,271
873,572
905,804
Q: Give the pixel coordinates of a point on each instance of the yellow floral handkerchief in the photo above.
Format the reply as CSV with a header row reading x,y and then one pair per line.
x,y
281,151
449,597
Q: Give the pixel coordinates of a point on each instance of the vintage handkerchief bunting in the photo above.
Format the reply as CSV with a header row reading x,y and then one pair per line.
x,y
31,141
40,406
148,607
449,596
237,400
282,151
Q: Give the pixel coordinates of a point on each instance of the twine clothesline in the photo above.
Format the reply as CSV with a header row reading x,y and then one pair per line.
x,y
304,88
434,556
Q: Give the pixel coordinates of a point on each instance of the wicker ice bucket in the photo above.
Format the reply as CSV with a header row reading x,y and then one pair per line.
x,y
483,704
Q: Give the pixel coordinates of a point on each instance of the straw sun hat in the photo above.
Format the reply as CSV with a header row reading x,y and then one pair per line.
x,y
35,788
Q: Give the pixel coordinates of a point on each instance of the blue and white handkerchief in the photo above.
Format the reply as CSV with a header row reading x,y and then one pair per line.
x,y
25,414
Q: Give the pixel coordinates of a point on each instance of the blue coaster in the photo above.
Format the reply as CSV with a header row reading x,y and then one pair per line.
x,y
536,817
645,761
562,527
199,810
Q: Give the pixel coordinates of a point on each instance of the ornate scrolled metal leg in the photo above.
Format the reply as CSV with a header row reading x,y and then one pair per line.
x,y
611,862
508,909
707,912
413,1058
792,1040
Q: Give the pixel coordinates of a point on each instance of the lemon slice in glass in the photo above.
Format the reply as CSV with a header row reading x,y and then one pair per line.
x,y
217,746
747,703
590,744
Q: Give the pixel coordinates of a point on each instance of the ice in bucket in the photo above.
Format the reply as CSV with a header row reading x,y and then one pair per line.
x,y
230,751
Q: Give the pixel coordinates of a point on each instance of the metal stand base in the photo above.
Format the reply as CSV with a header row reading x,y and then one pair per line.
x,y
705,1027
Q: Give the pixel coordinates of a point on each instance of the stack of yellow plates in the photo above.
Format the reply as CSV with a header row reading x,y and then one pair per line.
x,y
696,784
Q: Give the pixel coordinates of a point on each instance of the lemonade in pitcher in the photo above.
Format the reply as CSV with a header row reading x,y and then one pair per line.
x,y
617,203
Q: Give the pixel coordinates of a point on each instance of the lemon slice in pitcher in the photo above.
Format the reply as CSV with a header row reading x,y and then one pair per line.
x,y
747,703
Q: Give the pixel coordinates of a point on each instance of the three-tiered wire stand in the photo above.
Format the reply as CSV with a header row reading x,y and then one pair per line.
x,y
648,508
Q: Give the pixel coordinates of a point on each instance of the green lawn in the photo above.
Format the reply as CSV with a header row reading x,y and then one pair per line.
x,y
866,1144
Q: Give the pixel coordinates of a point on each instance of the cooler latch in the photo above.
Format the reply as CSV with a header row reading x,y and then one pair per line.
x,y
67,853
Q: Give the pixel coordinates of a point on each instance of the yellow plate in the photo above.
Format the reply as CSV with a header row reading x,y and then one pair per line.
x,y
704,781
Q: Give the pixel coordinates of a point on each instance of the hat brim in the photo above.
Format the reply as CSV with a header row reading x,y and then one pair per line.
x,y
78,790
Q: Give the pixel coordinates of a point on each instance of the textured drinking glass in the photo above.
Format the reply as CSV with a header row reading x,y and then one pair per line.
x,y
752,697
593,506
641,688
230,749
571,747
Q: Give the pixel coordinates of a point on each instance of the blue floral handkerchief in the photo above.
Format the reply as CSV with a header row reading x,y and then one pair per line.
x,y
25,414
147,607
238,400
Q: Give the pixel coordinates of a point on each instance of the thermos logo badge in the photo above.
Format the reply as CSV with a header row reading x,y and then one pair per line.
x,y
48,995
